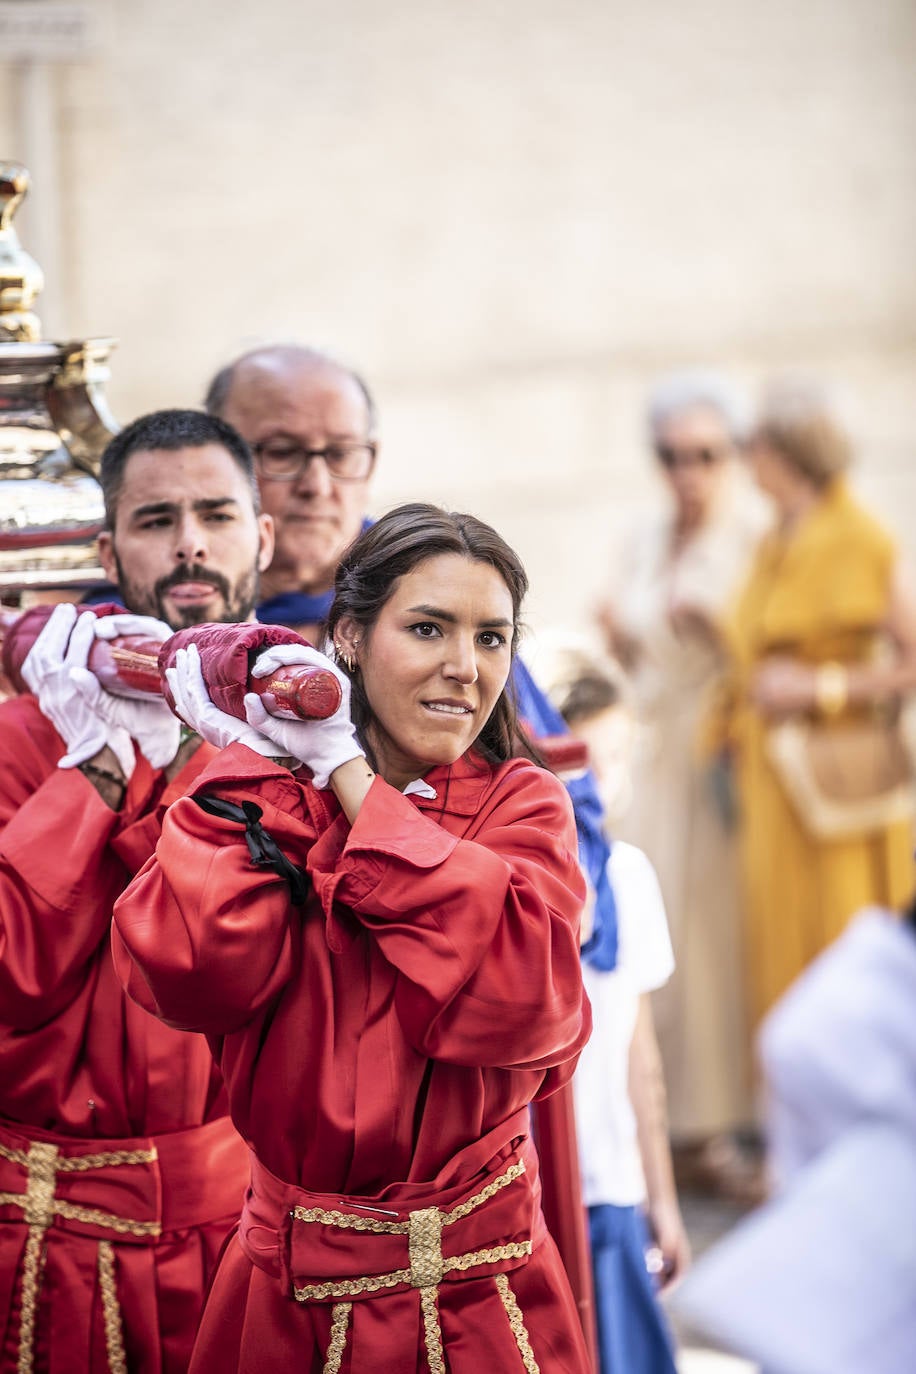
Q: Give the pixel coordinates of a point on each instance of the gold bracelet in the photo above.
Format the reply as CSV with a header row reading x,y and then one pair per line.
x,y
831,688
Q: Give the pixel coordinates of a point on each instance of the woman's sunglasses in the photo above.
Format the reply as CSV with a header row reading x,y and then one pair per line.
x,y
671,457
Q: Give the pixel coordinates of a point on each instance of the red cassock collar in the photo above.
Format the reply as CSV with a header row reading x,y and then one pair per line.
x,y
460,787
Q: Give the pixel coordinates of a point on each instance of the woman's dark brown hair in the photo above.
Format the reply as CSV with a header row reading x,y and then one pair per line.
x,y
393,546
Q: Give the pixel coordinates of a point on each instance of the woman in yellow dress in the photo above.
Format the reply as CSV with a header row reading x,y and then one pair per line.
x,y
824,634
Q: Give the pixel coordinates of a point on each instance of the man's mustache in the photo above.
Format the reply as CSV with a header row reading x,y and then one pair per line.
x,y
193,572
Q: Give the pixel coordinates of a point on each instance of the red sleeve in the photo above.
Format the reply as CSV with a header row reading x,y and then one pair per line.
x,y
202,937
64,858
484,929
148,798
57,879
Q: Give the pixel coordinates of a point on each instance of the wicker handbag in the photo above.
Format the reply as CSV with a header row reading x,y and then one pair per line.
x,y
845,778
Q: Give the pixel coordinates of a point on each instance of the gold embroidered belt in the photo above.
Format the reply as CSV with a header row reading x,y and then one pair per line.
x,y
111,1191
345,1250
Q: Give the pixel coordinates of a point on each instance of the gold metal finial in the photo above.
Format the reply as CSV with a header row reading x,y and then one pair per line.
x,y
21,279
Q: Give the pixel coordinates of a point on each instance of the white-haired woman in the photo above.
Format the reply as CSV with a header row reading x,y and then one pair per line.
x,y
677,572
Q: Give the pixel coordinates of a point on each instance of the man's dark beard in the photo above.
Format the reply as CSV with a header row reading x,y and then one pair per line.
x,y
238,601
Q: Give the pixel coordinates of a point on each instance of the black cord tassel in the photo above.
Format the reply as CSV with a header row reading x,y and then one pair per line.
x,y
263,848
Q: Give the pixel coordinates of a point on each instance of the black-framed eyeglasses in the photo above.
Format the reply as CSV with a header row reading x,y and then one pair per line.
x,y
684,457
283,460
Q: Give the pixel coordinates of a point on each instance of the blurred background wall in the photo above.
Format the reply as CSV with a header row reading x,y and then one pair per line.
x,y
510,215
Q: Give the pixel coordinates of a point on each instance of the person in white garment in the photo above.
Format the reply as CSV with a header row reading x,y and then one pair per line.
x,y
822,1279
673,575
638,1240
839,1047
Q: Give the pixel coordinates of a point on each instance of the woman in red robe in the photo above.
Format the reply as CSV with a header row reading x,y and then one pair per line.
x,y
374,919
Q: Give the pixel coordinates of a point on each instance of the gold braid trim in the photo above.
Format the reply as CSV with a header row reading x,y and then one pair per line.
x,y
14,1156
66,1164
350,1288
340,1316
350,1222
428,1266
516,1249
32,1267
38,1205
512,1173
92,1216
106,1159
111,1310
42,1163
425,1247
432,1331
519,1330
374,1283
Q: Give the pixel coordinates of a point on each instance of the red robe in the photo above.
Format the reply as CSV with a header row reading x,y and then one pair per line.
x,y
87,1077
380,1045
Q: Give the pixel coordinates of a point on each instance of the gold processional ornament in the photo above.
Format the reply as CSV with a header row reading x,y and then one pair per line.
x,y
54,425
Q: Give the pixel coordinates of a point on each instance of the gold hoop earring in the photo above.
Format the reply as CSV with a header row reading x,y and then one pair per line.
x,y
343,657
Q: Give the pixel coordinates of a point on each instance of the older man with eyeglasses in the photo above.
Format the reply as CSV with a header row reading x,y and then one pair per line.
x,y
310,422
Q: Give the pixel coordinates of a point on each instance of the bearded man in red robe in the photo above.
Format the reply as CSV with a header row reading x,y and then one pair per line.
x,y
120,1172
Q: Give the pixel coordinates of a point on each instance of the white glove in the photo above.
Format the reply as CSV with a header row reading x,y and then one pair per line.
x,y
148,720
114,626
55,670
322,744
193,704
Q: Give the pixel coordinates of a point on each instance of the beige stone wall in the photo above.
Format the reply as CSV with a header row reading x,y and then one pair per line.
x,y
511,216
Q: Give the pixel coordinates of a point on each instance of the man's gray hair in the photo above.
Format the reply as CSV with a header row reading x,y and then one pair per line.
x,y
678,392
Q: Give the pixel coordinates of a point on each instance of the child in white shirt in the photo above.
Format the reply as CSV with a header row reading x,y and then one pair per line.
x,y
627,1177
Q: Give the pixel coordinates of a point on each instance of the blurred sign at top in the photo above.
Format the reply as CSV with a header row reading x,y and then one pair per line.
x,y
46,32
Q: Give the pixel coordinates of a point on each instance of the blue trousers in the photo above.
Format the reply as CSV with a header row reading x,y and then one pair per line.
x,y
633,1336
